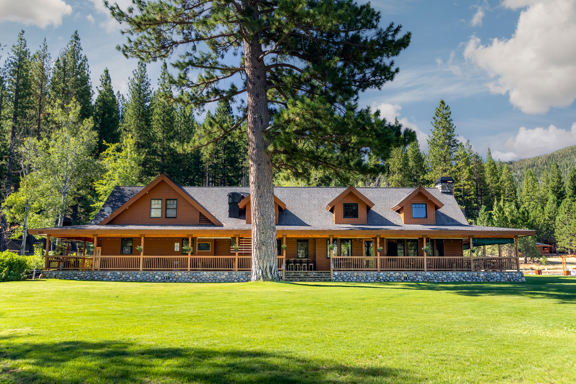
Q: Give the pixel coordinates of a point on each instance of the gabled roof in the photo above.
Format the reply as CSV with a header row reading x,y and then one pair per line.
x,y
416,191
346,192
176,187
246,200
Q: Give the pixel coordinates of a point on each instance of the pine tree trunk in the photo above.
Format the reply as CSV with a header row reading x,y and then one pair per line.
x,y
264,264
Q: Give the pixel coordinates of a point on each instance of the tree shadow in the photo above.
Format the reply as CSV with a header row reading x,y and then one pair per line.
x,y
562,289
124,362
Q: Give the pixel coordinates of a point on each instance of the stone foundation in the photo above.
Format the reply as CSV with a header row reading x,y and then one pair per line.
x,y
152,276
433,277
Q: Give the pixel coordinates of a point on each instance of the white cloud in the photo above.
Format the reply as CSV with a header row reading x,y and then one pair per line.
x,y
38,12
477,18
504,156
110,24
535,67
90,18
538,141
392,111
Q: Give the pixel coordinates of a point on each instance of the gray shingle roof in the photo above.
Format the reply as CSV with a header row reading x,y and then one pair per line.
x,y
306,206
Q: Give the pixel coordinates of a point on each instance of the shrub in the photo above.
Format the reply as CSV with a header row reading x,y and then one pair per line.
x,y
12,266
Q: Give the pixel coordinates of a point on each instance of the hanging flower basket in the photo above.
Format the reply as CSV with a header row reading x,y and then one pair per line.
x,y
139,248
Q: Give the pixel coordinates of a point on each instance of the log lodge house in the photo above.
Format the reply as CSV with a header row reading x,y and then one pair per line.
x,y
167,227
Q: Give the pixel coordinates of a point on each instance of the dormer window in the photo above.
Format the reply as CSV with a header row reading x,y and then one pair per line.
x,y
350,210
171,208
155,208
419,211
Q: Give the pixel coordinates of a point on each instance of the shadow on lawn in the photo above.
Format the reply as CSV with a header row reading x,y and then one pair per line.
x,y
562,289
119,362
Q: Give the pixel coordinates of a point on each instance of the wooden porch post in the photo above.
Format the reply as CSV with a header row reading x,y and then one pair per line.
x,y
425,260
484,250
378,250
189,250
84,248
471,255
332,254
94,254
285,243
237,247
142,252
499,250
47,255
517,254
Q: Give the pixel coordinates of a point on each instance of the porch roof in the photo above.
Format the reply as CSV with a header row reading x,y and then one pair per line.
x,y
244,230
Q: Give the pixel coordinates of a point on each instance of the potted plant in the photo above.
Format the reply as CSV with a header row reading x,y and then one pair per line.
x,y
284,247
332,249
538,271
380,249
428,250
139,248
187,249
235,248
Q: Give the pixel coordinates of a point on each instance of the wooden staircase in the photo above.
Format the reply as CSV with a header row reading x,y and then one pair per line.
x,y
312,276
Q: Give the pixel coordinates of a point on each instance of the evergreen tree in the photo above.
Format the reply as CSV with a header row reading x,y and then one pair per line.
x,y
187,168
507,186
479,175
492,180
530,189
163,126
106,113
442,143
549,219
19,87
417,165
137,115
301,79
556,183
464,185
571,184
565,225
399,169
71,78
41,72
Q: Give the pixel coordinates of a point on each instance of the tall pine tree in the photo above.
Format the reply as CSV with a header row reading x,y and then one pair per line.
x,y
417,165
464,185
442,143
399,169
556,183
106,113
41,72
136,113
163,131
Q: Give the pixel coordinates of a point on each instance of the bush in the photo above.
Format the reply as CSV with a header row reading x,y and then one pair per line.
x,y
12,266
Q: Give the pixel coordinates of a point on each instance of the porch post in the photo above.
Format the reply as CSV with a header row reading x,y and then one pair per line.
x,y
285,243
142,252
237,247
47,255
94,254
378,250
484,250
471,255
189,250
499,250
332,255
425,259
517,254
84,248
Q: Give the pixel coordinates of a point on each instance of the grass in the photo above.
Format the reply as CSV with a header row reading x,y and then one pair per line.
x,y
98,332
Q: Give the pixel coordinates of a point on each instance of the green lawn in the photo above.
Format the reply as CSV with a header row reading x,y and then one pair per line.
x,y
98,332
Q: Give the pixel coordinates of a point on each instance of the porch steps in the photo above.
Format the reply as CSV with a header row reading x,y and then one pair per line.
x,y
316,276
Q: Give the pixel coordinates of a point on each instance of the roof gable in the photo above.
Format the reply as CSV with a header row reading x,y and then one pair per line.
x,y
346,192
175,187
415,192
245,201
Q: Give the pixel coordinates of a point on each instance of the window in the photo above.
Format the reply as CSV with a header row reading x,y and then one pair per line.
x,y
126,246
350,210
302,249
171,205
400,248
185,244
345,247
279,246
333,252
368,248
204,247
411,247
156,208
419,211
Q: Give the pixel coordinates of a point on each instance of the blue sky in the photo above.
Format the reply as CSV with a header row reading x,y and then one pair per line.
x,y
506,67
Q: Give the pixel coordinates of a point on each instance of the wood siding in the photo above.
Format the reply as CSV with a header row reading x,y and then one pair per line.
x,y
139,212
338,210
406,210
249,213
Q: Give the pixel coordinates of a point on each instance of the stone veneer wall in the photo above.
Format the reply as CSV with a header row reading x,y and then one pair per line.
x,y
435,277
152,276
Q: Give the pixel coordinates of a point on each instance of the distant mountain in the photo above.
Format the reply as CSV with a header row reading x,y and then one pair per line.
x,y
566,159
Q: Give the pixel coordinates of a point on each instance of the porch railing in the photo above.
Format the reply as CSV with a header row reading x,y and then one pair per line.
x,y
155,263
420,263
